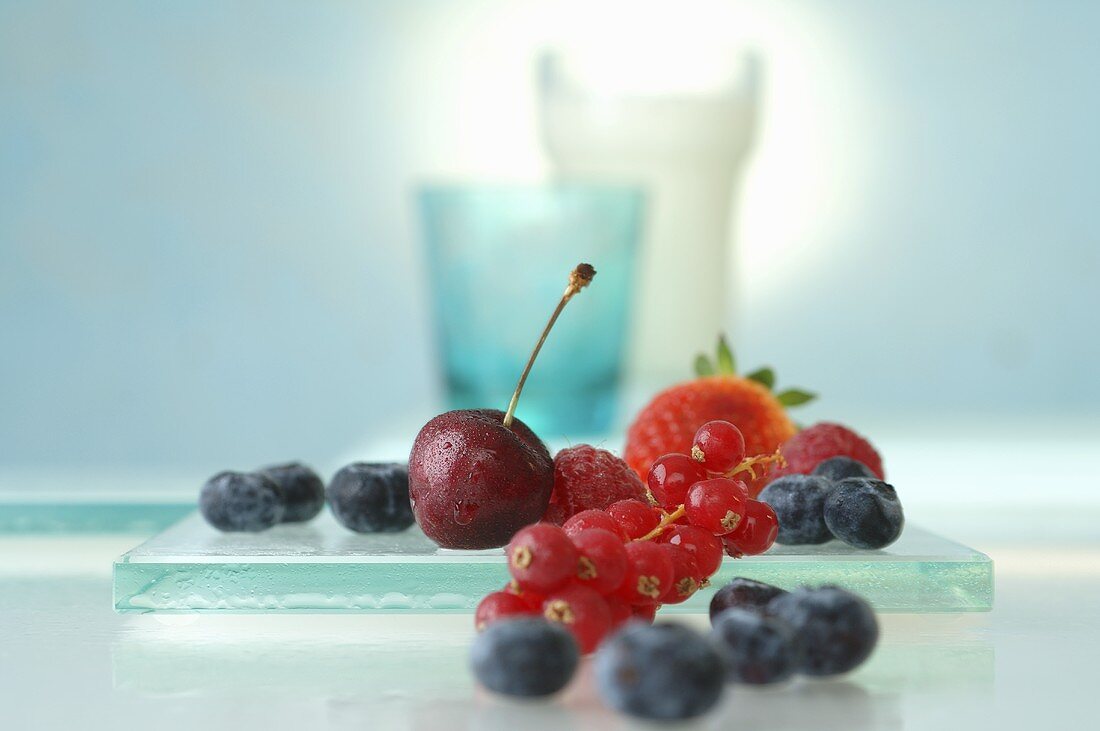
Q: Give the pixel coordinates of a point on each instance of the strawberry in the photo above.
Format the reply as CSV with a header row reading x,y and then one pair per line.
x,y
668,423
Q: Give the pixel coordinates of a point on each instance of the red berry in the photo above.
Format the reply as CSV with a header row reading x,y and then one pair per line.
x,y
719,446
636,518
588,478
541,557
621,612
581,611
743,488
756,533
702,544
716,505
532,599
592,519
671,476
819,442
497,605
648,575
686,577
601,562
644,612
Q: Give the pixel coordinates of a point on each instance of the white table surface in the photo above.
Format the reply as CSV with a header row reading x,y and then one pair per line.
x,y
68,662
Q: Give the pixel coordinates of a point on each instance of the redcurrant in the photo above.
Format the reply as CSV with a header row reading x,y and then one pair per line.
x,y
636,518
532,599
592,519
716,505
602,561
581,611
719,446
648,575
756,533
541,557
621,612
497,605
686,577
702,544
645,612
671,476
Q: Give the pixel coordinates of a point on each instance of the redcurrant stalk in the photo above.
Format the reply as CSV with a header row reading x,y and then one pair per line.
x,y
666,520
749,464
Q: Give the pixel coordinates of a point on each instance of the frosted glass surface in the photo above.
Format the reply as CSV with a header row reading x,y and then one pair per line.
x,y
321,566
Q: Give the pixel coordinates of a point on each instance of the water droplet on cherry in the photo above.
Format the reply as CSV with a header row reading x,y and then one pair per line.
x,y
465,512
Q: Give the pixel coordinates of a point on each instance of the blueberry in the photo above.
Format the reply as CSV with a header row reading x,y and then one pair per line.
x,y
241,501
743,593
838,468
799,501
371,497
759,649
524,657
836,628
303,491
864,513
664,671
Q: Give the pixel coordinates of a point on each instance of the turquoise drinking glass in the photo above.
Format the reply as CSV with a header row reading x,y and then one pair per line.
x,y
499,259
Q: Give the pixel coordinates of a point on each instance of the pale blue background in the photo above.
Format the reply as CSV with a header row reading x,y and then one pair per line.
x,y
208,253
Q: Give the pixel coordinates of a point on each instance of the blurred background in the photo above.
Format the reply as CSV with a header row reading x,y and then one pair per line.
x,y
215,249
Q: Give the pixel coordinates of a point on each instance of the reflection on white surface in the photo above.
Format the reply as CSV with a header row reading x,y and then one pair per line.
x,y
1005,669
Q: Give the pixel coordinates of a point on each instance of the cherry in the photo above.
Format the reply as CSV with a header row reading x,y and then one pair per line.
x,y
702,544
716,505
581,611
686,577
478,476
756,533
671,476
648,575
636,518
496,605
593,519
719,446
541,557
602,560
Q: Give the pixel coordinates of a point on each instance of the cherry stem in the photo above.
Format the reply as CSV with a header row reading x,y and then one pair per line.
x,y
579,278
666,520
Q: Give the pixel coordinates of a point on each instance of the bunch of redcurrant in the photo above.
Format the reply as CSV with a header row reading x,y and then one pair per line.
x,y
604,567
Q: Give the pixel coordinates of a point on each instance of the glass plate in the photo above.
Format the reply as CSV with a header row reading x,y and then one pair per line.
x,y
322,567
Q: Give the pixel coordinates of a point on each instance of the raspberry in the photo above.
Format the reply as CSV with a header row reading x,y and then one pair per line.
x,y
541,557
581,611
755,534
670,477
635,518
589,478
648,575
719,446
716,505
593,519
686,577
821,441
703,545
602,562
496,606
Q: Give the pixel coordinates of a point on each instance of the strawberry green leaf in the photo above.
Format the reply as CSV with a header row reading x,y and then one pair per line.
x,y
764,376
795,397
727,366
703,366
